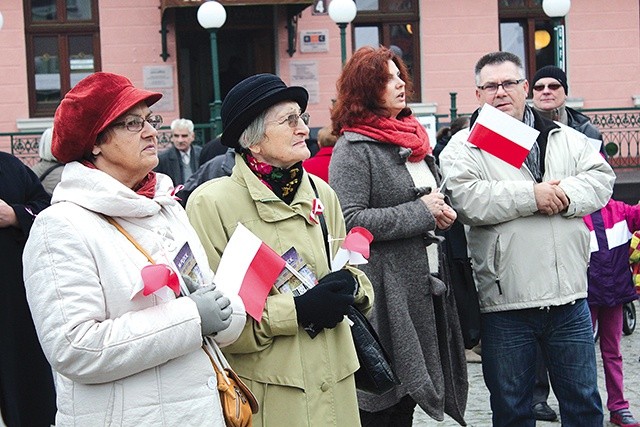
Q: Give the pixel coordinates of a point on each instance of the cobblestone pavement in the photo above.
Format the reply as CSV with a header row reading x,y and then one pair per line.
x,y
478,413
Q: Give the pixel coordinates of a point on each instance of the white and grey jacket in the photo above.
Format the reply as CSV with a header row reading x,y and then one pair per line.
x,y
521,258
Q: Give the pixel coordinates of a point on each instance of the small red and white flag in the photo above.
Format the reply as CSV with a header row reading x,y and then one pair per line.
x,y
249,268
503,136
354,249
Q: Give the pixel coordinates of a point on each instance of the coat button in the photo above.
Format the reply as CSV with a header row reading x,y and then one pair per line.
x,y
324,387
212,383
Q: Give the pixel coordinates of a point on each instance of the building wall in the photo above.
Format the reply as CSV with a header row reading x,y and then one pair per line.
x,y
603,53
14,103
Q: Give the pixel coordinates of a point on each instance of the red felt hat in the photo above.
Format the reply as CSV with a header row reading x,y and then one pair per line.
x,y
89,108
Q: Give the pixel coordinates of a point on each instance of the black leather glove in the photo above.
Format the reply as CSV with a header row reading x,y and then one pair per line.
x,y
344,280
324,305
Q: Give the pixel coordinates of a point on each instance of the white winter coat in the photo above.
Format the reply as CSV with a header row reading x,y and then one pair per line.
x,y
521,258
120,359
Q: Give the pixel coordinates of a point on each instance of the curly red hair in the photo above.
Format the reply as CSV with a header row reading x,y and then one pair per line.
x,y
361,87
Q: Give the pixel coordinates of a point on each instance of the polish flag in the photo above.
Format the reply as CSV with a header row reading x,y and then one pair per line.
x,y
503,136
249,268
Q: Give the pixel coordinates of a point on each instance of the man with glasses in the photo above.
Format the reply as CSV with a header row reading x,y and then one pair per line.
x,y
529,250
550,90
181,160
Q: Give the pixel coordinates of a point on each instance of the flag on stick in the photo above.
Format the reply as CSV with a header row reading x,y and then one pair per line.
x,y
249,268
503,136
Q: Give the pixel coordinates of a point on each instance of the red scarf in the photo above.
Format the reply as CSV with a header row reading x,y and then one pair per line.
x,y
146,187
406,132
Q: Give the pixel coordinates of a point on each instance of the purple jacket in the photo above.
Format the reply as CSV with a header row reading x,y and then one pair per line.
x,y
611,227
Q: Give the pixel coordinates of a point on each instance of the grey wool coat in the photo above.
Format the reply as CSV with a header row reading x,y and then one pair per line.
x,y
414,312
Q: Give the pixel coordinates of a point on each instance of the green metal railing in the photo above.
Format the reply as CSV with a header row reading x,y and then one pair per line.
x,y
620,129
24,145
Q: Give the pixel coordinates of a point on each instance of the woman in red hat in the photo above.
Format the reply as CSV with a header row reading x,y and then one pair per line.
x,y
124,348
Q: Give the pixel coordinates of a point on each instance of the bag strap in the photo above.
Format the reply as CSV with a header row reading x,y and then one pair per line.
x,y
49,170
323,225
220,362
130,238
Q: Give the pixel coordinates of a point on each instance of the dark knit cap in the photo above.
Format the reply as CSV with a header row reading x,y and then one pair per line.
x,y
246,100
553,72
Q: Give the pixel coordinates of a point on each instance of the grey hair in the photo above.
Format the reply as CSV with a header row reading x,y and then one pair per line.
x,y
255,132
182,124
496,58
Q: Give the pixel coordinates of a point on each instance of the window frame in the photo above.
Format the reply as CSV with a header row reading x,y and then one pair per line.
x,y
527,15
62,30
384,18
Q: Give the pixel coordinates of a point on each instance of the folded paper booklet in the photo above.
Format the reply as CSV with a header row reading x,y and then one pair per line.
x,y
297,283
187,265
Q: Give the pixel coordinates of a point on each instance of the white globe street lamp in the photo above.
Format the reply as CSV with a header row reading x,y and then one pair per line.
x,y
556,10
342,12
212,16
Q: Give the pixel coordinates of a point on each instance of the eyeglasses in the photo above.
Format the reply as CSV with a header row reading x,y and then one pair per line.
x,y
551,86
508,86
136,123
293,119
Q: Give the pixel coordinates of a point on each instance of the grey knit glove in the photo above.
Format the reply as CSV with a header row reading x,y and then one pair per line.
x,y
214,309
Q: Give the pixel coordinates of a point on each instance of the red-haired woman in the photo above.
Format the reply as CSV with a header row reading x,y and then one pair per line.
x,y
386,179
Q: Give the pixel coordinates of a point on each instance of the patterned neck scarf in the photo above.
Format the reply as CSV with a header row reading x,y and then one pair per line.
x,y
533,158
283,182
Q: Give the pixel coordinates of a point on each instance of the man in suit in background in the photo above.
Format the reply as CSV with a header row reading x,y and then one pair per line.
x,y
181,160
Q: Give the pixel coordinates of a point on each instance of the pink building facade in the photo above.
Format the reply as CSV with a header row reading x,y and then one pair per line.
x,y
602,55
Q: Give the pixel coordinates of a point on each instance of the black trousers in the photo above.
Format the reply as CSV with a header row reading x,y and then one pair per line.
x,y
398,415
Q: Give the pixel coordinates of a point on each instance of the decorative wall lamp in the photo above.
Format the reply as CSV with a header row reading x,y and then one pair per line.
x,y
342,12
212,16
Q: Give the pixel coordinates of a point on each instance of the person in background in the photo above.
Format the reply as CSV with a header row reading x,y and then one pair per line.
x,y
48,169
610,287
27,393
530,250
298,380
319,164
444,134
182,159
386,179
102,266
550,90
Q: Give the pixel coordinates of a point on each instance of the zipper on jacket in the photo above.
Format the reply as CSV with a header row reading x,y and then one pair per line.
x,y
499,287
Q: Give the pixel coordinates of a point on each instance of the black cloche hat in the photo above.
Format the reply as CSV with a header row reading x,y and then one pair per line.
x,y
246,100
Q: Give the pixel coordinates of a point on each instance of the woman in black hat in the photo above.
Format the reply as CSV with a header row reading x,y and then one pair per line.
x,y
298,379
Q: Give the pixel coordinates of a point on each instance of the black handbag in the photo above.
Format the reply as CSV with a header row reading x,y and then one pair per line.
x,y
376,375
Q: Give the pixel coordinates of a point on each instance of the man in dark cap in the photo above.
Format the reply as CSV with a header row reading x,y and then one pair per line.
x,y
550,91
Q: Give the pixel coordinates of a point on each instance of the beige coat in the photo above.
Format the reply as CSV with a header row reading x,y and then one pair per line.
x,y
298,381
